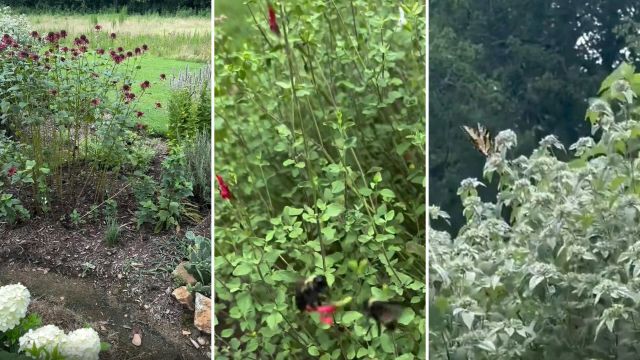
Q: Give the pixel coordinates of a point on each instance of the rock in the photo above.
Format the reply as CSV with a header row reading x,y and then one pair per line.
x,y
202,318
182,276
202,341
137,339
183,296
195,344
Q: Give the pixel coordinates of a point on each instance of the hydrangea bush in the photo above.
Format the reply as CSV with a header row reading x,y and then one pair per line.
x,y
23,334
550,269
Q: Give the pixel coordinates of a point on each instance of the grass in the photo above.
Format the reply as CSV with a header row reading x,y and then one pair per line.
x,y
180,38
160,91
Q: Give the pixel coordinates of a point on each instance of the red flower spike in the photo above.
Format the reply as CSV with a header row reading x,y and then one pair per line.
x,y
273,23
224,189
326,313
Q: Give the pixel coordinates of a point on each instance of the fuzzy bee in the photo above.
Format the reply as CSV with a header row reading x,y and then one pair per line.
x,y
384,313
310,292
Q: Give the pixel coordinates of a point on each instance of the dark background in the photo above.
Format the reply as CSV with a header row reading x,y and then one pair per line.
x,y
515,64
133,6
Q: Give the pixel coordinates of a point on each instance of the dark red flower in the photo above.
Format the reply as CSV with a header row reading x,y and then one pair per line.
x,y
224,189
138,51
95,102
158,105
113,35
273,22
100,51
83,49
63,33
53,92
141,126
65,49
34,57
163,77
126,88
23,54
98,27
129,54
120,49
145,84
12,171
35,35
139,114
145,47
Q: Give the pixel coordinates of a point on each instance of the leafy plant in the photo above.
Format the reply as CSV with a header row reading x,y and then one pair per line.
x,y
319,144
112,233
547,270
199,265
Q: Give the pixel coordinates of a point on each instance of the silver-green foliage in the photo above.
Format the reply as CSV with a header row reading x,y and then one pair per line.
x,y
551,268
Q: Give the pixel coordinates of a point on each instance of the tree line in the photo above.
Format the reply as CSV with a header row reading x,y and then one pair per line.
x,y
132,6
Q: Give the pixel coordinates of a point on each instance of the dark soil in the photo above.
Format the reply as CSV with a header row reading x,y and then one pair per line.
x,y
76,279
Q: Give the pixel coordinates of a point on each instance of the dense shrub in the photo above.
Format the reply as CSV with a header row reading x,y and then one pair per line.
x,y
549,269
319,149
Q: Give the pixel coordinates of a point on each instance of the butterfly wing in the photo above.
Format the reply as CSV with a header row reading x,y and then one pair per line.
x,y
480,138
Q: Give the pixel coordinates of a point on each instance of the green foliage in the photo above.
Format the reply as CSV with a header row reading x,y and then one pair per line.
x,y
180,115
198,156
199,265
168,204
9,339
549,269
112,233
320,139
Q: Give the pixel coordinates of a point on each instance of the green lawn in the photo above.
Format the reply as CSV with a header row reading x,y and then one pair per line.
x,y
160,91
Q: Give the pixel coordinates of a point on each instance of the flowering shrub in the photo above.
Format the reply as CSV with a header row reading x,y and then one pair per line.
x,y
22,334
72,106
319,150
549,270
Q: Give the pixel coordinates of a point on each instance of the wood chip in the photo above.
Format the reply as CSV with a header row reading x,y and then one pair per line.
x,y
195,344
186,332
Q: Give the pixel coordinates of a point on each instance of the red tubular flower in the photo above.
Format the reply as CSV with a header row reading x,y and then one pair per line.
x,y
326,313
12,171
273,23
224,189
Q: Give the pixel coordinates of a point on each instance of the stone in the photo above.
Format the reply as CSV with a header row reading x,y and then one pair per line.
x,y
182,276
183,296
202,318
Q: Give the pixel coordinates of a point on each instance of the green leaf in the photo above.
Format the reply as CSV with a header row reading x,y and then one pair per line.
x,y
350,317
313,351
387,193
243,269
386,342
332,211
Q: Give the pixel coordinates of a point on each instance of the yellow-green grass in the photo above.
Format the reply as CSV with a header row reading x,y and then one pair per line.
x,y
180,38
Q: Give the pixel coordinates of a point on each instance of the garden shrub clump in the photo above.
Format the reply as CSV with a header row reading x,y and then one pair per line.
x,y
549,270
320,151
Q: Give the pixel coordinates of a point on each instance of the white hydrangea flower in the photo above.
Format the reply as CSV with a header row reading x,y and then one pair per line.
x,y
82,344
14,301
505,140
46,338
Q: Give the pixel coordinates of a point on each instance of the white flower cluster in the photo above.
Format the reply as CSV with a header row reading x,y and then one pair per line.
x,y
81,344
46,338
14,300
